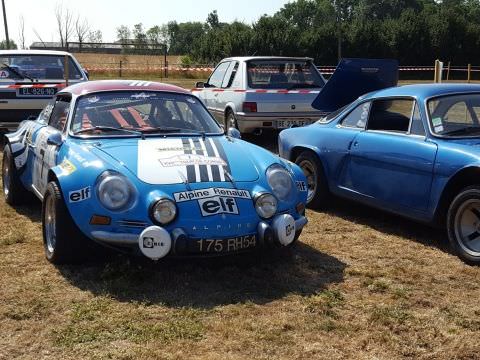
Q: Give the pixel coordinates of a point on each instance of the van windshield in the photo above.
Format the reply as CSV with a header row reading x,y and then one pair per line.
x,y
283,74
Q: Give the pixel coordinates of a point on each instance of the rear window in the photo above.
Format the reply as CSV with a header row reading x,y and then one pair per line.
x,y
38,67
283,74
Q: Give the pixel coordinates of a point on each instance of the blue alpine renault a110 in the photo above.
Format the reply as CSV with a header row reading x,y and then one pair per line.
x,y
143,167
411,150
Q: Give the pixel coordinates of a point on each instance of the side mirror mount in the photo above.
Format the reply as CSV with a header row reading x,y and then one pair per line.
x,y
234,133
55,139
86,74
199,84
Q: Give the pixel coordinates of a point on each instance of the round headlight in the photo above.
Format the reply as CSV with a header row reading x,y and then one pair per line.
x,y
280,181
266,205
164,211
115,191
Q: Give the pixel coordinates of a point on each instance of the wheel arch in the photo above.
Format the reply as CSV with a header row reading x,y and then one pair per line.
x,y
463,178
298,149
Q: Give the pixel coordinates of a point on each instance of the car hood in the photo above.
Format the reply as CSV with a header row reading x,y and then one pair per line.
x,y
178,160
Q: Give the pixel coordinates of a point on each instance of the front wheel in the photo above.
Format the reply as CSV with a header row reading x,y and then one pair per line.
x,y
318,191
463,224
62,240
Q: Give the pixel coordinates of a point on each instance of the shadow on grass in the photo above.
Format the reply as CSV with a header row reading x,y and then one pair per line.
x,y
389,223
206,283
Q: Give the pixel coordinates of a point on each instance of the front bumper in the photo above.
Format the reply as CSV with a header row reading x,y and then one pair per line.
x,y
249,122
266,234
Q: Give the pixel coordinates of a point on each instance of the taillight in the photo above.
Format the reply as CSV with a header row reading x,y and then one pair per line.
x,y
249,107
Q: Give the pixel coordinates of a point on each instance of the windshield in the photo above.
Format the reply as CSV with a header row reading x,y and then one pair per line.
x,y
133,112
39,67
455,115
283,74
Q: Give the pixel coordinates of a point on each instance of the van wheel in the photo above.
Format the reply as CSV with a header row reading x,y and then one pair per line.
x,y
463,224
318,192
13,190
64,243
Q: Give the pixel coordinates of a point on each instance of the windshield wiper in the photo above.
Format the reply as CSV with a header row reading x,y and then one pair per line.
x,y
109,128
465,130
18,73
303,86
168,130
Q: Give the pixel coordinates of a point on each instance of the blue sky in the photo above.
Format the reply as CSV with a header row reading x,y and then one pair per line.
x,y
106,15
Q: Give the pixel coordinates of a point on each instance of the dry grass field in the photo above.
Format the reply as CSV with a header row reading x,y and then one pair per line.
x,y
361,284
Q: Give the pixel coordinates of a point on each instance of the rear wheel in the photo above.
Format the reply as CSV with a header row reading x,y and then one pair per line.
x,y
13,189
63,241
230,120
463,224
318,192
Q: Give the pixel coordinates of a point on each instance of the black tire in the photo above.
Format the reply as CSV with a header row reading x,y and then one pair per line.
x,y
13,190
230,120
463,224
64,243
316,180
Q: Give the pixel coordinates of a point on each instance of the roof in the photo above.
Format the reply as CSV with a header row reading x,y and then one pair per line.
x,y
425,90
89,87
33,52
249,58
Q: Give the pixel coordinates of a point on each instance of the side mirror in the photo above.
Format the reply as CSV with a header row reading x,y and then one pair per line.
x,y
199,84
55,139
234,133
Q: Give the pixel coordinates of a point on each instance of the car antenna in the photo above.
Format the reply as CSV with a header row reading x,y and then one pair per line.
x,y
185,180
230,178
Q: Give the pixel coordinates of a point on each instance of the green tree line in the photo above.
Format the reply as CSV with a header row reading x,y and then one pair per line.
x,y
416,32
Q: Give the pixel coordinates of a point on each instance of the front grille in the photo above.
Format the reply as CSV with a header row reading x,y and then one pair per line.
x,y
132,224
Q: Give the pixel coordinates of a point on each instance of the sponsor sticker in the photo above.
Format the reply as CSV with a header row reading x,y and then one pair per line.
x,y
438,128
67,167
301,186
191,159
4,74
218,205
80,195
210,192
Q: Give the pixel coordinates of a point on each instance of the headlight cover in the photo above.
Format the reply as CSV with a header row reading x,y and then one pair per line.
x,y
163,211
280,180
265,205
115,192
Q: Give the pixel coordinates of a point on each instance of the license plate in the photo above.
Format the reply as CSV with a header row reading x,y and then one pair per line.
x,y
218,246
283,124
35,91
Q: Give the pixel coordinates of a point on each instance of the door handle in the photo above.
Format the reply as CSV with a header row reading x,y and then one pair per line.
x,y
30,145
355,143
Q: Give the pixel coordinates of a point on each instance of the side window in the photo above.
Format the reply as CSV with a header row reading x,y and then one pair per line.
x,y
59,116
416,126
357,118
458,113
230,75
216,78
391,115
46,112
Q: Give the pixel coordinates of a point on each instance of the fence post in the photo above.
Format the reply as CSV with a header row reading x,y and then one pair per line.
x,y
469,72
448,71
120,69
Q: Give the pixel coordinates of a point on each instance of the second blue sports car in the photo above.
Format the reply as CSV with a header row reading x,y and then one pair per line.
x,y
412,150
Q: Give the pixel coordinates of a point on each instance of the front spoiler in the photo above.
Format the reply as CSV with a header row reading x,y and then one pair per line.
x,y
131,240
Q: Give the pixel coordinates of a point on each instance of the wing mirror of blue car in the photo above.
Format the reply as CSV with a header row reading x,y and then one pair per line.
x,y
200,85
234,133
55,139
